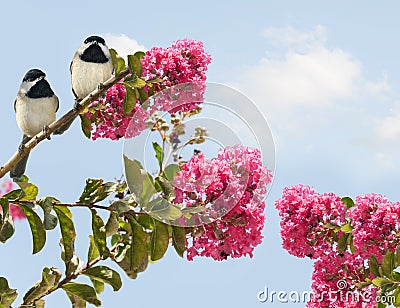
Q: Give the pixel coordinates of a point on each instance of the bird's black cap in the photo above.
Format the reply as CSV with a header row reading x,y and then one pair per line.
x,y
33,74
96,39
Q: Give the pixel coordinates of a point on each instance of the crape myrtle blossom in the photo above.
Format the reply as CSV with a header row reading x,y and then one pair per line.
x,y
234,184
15,211
376,225
184,62
304,214
312,225
334,281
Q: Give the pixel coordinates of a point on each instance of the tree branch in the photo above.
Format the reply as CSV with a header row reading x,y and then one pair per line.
x,y
71,205
72,276
69,116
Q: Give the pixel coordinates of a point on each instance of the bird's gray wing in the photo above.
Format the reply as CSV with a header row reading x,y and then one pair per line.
x,y
70,70
58,102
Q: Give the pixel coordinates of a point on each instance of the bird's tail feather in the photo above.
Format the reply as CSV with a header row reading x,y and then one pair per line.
x,y
18,171
63,128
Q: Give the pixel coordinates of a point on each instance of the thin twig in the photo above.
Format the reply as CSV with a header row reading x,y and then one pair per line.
x,y
71,205
72,276
69,116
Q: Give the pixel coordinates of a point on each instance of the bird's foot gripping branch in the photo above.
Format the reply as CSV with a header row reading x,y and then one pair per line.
x,y
202,207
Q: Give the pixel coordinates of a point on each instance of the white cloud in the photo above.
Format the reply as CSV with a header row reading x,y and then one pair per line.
x,y
123,44
317,77
388,128
307,73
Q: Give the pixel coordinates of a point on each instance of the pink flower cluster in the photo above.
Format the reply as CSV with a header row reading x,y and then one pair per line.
x,y
376,225
304,214
307,224
334,279
15,211
109,119
234,185
185,62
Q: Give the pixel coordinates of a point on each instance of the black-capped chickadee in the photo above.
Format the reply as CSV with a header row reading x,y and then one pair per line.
x,y
91,66
35,108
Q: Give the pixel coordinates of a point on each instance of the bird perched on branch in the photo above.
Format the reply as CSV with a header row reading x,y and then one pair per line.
x,y
35,108
91,66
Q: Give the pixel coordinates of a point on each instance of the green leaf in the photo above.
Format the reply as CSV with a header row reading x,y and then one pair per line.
x,y
159,153
67,231
37,228
72,265
82,291
6,222
86,125
129,99
112,224
7,295
133,175
170,172
373,266
159,240
156,79
388,264
350,241
397,256
163,209
50,279
381,282
114,59
120,65
148,188
29,191
99,233
179,240
39,303
97,285
106,275
342,243
93,252
139,55
12,195
194,209
138,248
120,206
134,65
167,188
348,202
96,190
380,305
143,95
347,228
76,301
49,221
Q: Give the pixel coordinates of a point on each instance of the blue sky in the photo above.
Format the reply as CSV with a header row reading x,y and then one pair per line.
x,y
325,76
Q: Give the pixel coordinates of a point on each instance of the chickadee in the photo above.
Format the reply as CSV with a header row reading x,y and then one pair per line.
x,y
35,108
90,67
